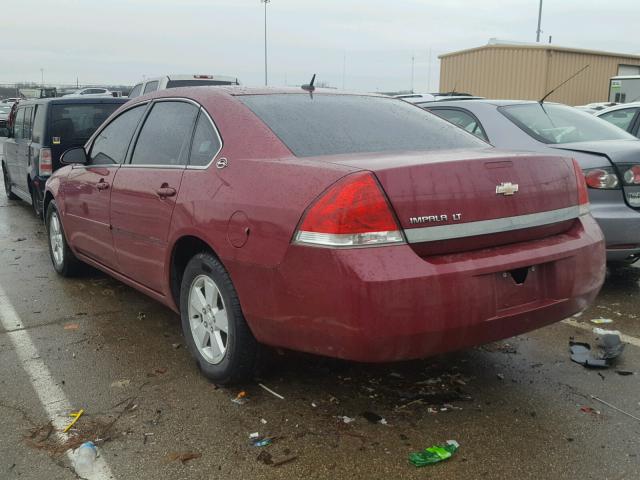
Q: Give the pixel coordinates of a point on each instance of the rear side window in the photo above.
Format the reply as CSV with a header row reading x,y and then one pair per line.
x,y
135,91
75,123
28,118
38,124
165,136
110,146
464,120
151,86
328,124
620,118
206,143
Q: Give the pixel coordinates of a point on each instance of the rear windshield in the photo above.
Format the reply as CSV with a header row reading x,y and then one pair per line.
x,y
328,124
75,123
197,83
557,124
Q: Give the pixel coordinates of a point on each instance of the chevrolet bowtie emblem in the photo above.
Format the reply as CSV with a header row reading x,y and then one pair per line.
x,y
506,188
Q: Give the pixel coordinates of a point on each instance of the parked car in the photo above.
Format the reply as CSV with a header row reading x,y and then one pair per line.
x,y
174,81
90,92
625,116
419,98
5,109
595,107
351,226
40,131
10,101
607,155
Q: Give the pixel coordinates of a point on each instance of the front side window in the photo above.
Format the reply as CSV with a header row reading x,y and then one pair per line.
x,y
151,86
329,124
110,145
19,124
558,124
165,136
464,120
620,118
205,144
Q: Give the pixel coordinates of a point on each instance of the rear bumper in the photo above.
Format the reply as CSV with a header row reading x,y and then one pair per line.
x,y
386,304
621,227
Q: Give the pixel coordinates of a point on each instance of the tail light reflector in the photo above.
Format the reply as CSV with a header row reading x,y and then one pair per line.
x,y
45,162
352,213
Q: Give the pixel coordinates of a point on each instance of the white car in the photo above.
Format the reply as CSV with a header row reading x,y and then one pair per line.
x,y
174,81
90,92
625,115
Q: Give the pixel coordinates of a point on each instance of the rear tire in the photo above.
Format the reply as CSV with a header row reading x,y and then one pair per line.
x,y
7,184
214,327
64,260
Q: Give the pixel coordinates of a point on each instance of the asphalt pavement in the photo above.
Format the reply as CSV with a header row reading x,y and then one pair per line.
x,y
520,409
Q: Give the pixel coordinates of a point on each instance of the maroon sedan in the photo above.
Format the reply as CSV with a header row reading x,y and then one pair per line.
x,y
352,226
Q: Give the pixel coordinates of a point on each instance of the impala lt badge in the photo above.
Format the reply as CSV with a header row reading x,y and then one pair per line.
x,y
456,217
506,188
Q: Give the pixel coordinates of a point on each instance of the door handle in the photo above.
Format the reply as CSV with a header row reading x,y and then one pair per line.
x,y
166,191
102,185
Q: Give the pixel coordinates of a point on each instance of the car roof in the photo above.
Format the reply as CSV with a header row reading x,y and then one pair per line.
x,y
72,100
497,103
621,106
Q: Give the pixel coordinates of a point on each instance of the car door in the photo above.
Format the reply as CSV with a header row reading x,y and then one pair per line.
x,y
463,119
23,143
145,190
11,147
625,118
87,189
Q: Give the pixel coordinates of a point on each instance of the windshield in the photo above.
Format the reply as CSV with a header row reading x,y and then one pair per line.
x,y
337,124
556,124
76,123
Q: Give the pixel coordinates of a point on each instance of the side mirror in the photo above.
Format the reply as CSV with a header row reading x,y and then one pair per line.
x,y
75,155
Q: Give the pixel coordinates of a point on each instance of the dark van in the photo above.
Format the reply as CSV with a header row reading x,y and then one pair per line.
x,y
40,130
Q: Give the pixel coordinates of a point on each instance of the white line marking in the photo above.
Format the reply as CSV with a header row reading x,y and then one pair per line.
x,y
51,396
589,328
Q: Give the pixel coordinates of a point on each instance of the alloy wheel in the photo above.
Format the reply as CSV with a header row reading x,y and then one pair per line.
x,y
208,319
57,242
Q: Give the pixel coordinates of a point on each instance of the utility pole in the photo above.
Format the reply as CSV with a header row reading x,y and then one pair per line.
x,y
42,77
413,61
429,73
539,31
266,82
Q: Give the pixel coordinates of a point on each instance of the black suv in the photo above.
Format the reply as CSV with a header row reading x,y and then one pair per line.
x,y
39,131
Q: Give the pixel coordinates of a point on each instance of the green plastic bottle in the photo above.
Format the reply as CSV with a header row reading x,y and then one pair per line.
x,y
434,454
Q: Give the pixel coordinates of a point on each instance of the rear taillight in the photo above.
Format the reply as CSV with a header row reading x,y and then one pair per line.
x,y
352,213
583,195
604,178
630,174
45,162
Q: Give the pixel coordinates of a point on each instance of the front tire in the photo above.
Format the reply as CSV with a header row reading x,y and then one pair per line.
x,y
63,259
214,327
7,184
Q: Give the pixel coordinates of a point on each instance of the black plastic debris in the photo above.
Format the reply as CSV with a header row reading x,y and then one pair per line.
x,y
609,348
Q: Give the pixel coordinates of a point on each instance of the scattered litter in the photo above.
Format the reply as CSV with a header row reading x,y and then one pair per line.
x,y
263,421
614,407
624,373
20,239
346,419
601,321
577,315
590,410
500,376
271,391
183,457
374,418
84,458
396,375
71,326
432,410
254,435
609,345
76,416
176,345
314,405
434,454
120,383
609,342
146,436
241,398
141,316
262,442
160,370
265,457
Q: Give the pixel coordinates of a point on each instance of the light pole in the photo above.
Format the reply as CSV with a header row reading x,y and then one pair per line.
x,y
539,31
266,82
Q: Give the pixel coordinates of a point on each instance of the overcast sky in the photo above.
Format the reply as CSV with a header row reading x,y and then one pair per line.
x,y
119,41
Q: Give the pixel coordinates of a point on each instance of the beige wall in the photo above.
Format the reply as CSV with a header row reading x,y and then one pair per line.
x,y
528,73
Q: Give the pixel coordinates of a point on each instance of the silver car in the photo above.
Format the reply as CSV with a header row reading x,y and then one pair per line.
x,y
609,156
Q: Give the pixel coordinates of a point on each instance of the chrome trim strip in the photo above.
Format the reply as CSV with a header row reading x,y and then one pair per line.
x,y
484,227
